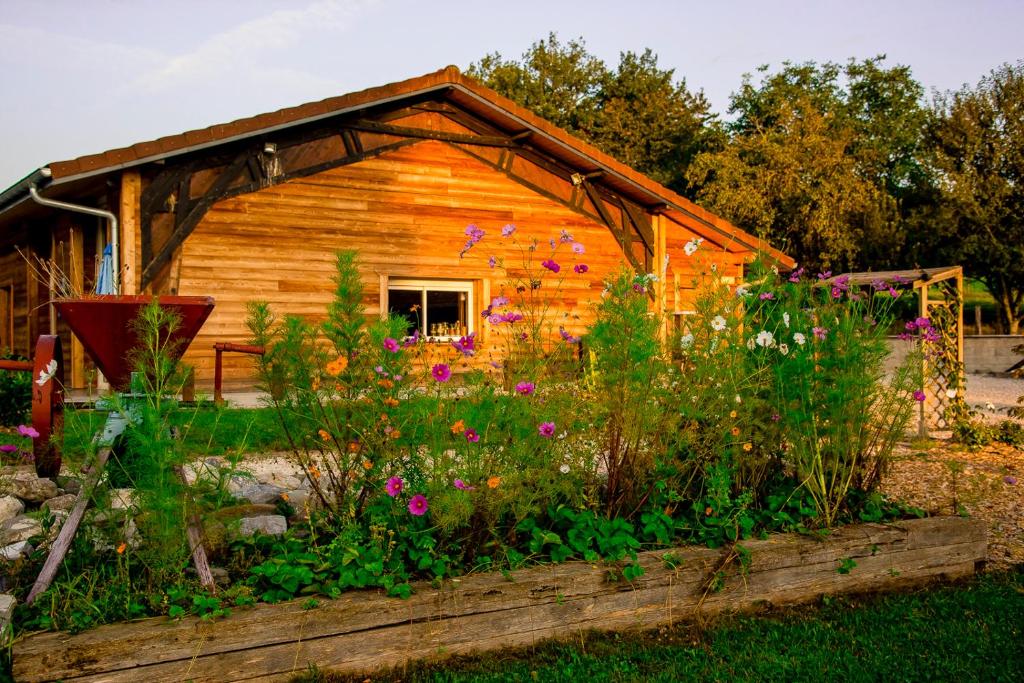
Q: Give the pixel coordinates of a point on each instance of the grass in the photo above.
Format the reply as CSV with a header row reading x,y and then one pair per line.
x,y
970,631
205,430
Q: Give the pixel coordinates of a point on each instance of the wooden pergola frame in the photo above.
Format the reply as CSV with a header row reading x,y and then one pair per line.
x,y
944,370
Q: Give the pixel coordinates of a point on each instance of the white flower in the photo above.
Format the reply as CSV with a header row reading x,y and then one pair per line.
x,y
47,374
718,323
750,343
651,277
714,267
990,406
738,399
765,339
951,393
784,349
686,341
741,291
785,319
691,247
564,469
799,338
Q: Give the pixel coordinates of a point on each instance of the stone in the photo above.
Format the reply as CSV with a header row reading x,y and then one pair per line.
x,y
271,525
253,491
69,484
28,487
7,604
10,507
277,471
61,503
21,528
122,499
16,551
300,502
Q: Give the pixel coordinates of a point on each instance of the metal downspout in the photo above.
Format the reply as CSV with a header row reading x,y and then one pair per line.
x,y
114,237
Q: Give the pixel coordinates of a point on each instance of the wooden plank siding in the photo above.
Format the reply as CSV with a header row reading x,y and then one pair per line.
x,y
405,212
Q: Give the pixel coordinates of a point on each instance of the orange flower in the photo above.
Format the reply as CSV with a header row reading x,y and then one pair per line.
x,y
353,446
121,548
367,465
386,383
395,434
735,431
708,512
391,402
284,497
748,446
732,414
314,472
336,367
459,427
316,384
493,482
324,434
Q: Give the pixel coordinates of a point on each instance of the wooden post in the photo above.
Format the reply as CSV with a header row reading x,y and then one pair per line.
x,y
77,275
194,531
922,424
977,320
659,269
218,374
960,333
130,220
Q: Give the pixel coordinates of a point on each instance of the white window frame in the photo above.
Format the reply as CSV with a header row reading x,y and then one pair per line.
x,y
423,285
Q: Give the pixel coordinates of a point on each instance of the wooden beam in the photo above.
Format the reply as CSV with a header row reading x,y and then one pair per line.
x,y
77,275
427,134
130,220
185,225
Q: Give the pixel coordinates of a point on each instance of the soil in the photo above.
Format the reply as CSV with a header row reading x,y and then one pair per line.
x,y
942,477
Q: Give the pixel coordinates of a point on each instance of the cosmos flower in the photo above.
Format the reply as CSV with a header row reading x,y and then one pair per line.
x,y
463,486
391,345
551,265
690,248
472,436
441,372
765,339
525,388
919,396
577,248
508,230
718,323
799,338
418,505
394,486
28,431
546,429
580,268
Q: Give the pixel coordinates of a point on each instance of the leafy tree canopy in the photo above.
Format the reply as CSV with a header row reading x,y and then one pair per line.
x,y
638,112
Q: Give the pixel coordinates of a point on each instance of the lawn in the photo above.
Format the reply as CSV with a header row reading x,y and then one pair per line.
x,y
971,631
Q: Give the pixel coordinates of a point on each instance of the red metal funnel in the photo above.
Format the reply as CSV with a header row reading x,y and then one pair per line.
x,y
103,323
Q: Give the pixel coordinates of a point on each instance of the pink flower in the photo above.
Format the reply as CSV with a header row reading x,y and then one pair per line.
x,y
8,448
463,486
492,261
411,341
472,436
765,296
28,431
569,339
466,345
508,230
391,345
551,265
525,388
577,248
795,275
394,486
820,332
418,505
441,372
919,396
546,429
581,268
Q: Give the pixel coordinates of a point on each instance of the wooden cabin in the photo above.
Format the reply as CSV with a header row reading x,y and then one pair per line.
x,y
256,208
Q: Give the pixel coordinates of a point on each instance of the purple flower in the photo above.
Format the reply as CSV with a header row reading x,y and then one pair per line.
x,y
842,282
919,396
837,293
492,261
391,345
28,431
826,275
472,436
463,486
551,265
495,318
418,505
565,237
525,388
546,429
879,285
508,230
8,448
569,339
466,345
910,326
639,288
580,268
922,322
904,336
380,370
820,332
511,317
577,248
795,275
475,234
412,340
1010,479
394,486
499,301
776,417
441,372
894,293
765,296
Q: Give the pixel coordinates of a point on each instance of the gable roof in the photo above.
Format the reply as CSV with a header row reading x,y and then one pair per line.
x,y
455,87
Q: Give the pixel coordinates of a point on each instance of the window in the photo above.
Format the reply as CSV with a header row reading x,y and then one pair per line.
x,y
437,308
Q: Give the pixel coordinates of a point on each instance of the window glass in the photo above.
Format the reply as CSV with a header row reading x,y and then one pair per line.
x,y
436,308
406,304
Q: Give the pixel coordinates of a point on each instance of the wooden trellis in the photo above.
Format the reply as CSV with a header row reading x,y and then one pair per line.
x,y
940,295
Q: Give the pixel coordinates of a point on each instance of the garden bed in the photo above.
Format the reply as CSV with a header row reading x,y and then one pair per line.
x,y
364,631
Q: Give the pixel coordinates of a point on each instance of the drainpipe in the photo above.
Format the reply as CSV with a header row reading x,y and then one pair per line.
x,y
114,241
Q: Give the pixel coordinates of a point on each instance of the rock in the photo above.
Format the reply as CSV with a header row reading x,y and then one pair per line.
x,y
271,525
61,503
300,502
21,528
7,603
28,487
220,576
122,499
10,507
16,551
69,484
253,491
276,471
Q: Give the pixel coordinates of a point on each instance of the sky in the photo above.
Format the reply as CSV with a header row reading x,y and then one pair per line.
x,y
83,76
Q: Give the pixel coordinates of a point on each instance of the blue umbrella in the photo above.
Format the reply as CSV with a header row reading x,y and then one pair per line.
x,y
105,280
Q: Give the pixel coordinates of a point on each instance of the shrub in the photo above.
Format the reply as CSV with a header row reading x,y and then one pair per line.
x,y
15,394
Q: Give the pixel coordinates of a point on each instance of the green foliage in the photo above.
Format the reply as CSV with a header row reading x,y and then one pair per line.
x,y
974,142
15,394
638,113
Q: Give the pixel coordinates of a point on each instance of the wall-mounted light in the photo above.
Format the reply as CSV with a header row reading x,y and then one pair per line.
x,y
269,148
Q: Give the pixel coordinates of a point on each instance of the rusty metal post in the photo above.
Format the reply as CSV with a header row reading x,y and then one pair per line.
x,y
218,375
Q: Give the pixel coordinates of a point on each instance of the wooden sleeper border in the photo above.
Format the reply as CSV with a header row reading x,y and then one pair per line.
x,y
363,631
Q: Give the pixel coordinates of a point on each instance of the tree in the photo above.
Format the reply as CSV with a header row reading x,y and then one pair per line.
x,y
976,140
637,113
821,161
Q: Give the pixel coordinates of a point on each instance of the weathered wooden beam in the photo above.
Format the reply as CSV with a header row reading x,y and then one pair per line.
x,y
622,233
196,212
427,134
130,218
641,223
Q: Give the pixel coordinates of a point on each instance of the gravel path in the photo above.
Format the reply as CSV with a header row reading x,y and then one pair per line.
x,y
1000,392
